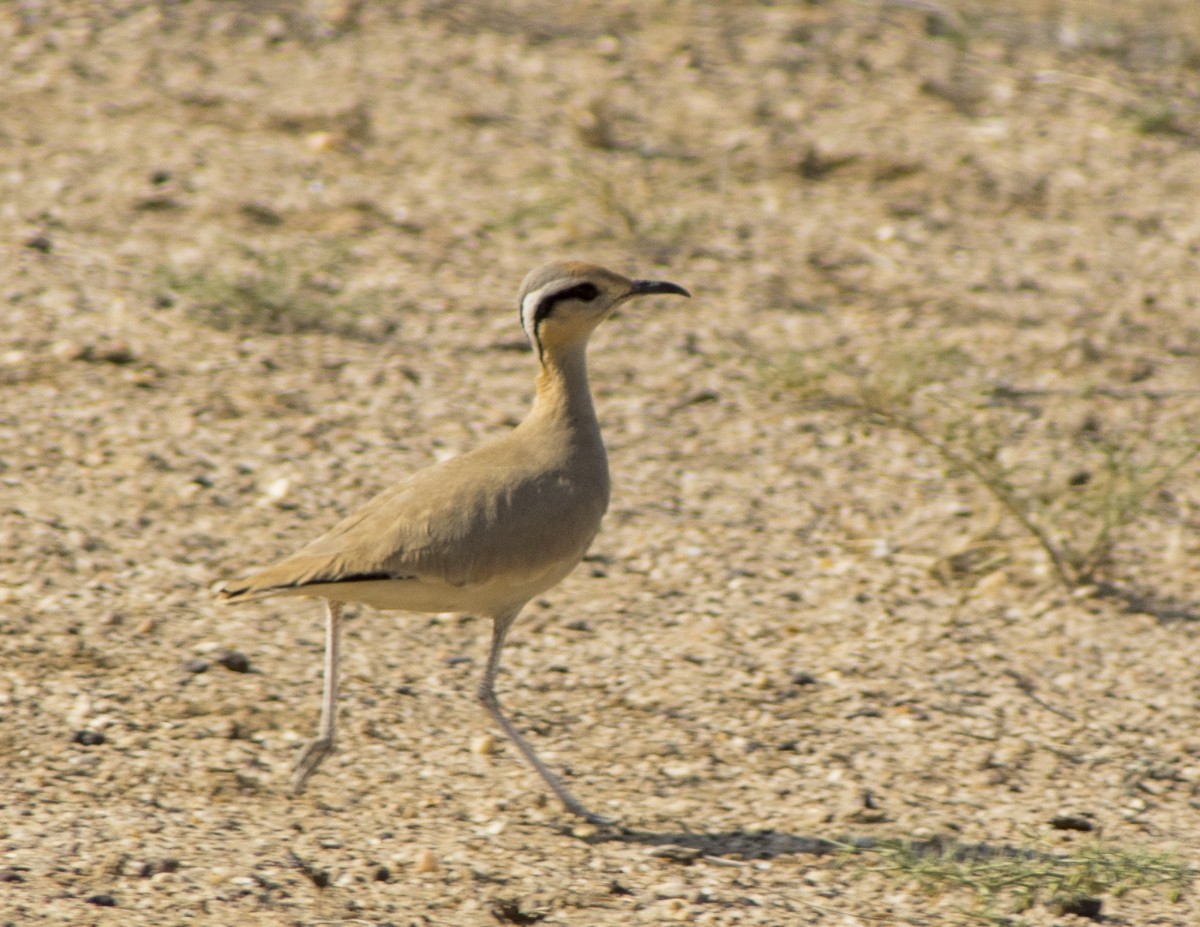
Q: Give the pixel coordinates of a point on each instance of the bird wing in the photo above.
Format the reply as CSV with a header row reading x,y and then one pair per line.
x,y
461,522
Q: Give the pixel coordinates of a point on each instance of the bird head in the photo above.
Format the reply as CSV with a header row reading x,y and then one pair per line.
x,y
562,303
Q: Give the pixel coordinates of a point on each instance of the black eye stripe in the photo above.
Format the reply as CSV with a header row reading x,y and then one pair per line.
x,y
584,292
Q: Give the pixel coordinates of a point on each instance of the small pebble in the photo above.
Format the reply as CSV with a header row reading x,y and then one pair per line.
x,y
154,866
484,745
508,911
1079,907
321,141
426,861
88,738
114,351
233,660
1072,822
195,665
102,901
277,490
672,889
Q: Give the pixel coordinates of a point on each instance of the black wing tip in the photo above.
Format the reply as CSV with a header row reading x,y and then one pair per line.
x,y
236,593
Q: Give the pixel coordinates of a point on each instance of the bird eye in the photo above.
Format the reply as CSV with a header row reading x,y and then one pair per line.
x,y
584,292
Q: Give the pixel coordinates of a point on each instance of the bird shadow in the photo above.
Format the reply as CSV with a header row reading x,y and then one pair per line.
x,y
1141,601
686,846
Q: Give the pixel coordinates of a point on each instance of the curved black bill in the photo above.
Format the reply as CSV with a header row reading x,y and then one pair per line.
x,y
646,287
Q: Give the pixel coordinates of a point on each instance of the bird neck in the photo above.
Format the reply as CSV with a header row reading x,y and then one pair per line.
x,y
562,387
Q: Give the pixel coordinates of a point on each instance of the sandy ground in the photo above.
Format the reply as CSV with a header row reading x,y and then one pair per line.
x,y
258,260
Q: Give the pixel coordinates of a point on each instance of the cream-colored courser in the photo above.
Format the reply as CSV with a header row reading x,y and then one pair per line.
x,y
485,532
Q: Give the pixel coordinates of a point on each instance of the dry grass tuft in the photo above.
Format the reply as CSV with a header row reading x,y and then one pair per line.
x,y
1075,485
1007,880
270,291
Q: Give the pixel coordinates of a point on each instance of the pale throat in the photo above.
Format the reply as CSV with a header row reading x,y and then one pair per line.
x,y
562,382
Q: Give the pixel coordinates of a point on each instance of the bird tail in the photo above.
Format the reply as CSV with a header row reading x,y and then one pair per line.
x,y
247,589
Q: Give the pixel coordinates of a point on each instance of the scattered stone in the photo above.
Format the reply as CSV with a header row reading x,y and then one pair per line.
x,y
508,911
484,745
154,866
1079,907
676,888
699,398
88,738
102,901
1072,822
40,243
426,862
233,660
195,665
158,202
11,875
262,214
276,492
115,351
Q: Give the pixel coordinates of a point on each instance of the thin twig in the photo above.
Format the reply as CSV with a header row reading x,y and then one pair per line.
x,y
989,482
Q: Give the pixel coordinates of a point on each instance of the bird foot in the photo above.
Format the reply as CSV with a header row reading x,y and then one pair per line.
x,y
597,820
600,820
310,758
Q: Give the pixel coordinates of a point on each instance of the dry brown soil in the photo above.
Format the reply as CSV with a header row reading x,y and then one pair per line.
x,y
257,261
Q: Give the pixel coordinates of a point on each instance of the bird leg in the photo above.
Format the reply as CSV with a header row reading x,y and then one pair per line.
x,y
487,695
317,749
